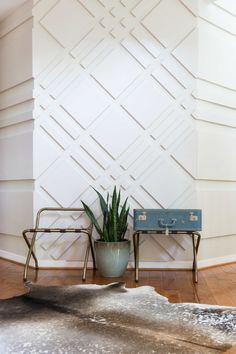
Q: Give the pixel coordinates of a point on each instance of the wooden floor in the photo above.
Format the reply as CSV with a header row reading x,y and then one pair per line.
x,y
215,286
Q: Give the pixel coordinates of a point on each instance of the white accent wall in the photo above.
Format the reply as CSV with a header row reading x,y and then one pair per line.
x,y
16,131
216,122
138,94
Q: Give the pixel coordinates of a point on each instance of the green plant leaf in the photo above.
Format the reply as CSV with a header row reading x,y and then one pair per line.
x,y
125,224
105,234
114,198
103,203
123,210
91,216
118,200
123,220
114,217
104,207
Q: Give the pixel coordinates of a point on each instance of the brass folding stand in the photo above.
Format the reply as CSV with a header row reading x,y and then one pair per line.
x,y
196,237
31,242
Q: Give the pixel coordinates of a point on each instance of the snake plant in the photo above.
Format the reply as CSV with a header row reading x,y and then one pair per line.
x,y
115,217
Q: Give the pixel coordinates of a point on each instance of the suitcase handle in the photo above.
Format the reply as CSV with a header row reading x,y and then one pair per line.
x,y
162,224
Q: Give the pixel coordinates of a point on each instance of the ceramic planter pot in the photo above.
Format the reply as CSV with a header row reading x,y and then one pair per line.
x,y
112,257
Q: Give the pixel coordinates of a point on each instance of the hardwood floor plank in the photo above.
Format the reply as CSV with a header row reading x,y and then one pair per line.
x,y
216,286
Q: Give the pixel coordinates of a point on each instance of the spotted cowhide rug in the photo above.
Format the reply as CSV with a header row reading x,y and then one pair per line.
x,y
111,319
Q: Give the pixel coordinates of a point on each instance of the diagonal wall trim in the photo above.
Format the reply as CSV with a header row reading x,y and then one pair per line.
x,y
121,98
108,101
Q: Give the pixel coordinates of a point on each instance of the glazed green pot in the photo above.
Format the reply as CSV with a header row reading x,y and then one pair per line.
x,y
112,257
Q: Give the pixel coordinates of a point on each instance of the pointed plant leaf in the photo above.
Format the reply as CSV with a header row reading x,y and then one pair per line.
x,y
123,220
115,217
91,216
123,209
103,203
114,199
104,207
114,214
105,234
118,200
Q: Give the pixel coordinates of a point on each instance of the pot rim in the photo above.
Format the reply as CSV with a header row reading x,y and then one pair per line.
x,y
121,241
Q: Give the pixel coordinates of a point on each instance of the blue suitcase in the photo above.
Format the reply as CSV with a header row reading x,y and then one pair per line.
x,y
168,220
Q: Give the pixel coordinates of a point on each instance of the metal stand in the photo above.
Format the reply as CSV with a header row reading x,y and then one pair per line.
x,y
196,237
87,231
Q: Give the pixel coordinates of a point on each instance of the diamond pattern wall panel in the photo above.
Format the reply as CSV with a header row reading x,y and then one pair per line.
x,y
85,102
180,22
145,112
116,72
114,106
169,179
112,125
63,20
56,184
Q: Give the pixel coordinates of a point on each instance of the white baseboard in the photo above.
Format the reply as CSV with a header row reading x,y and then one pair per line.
x,y
163,265
12,256
216,261
43,264
144,265
186,264
63,264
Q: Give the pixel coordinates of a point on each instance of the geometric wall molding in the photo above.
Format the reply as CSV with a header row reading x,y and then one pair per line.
x,y
130,93
112,106
123,99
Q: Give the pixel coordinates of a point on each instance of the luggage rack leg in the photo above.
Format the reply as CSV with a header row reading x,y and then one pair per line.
x,y
196,237
30,253
136,254
89,246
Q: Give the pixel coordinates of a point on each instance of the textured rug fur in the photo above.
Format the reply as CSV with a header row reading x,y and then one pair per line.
x,y
111,319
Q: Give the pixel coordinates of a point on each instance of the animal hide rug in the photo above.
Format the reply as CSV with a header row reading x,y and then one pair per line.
x,y
111,319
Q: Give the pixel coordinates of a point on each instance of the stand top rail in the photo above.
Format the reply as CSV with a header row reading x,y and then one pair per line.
x,y
170,232
61,230
40,211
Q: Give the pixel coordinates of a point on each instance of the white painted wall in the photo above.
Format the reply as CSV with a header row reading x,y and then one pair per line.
x,y
126,94
16,131
216,123
114,106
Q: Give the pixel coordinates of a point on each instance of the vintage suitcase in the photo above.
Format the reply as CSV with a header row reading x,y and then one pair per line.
x,y
168,220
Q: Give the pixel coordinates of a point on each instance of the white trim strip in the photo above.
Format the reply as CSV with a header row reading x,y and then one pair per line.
x,y
143,265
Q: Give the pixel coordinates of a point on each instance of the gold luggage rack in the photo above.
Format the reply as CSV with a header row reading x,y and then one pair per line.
x,y
87,231
196,238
